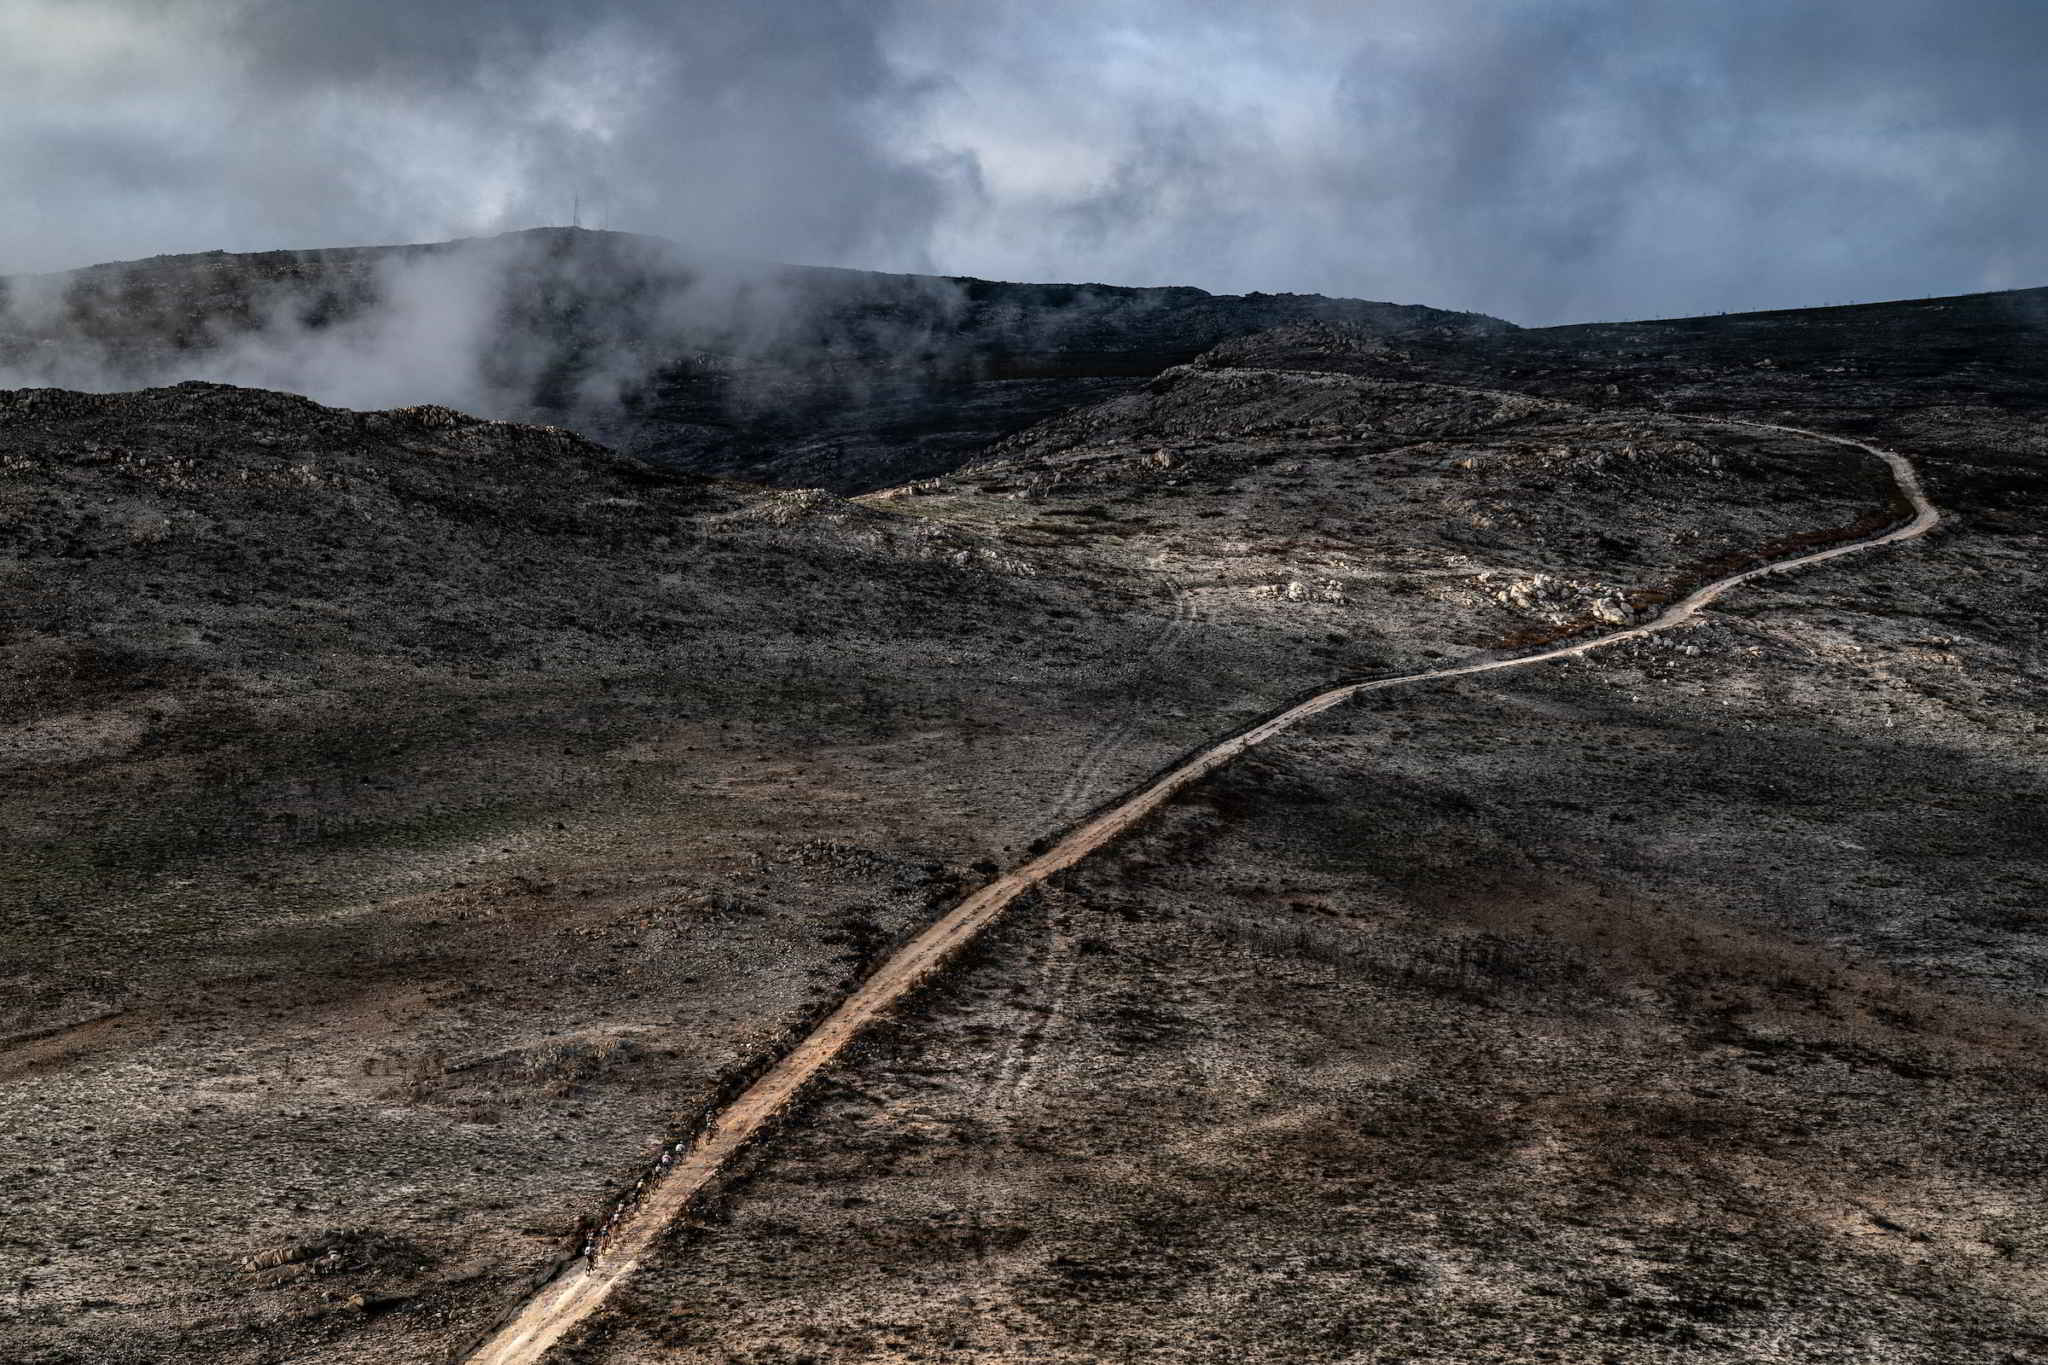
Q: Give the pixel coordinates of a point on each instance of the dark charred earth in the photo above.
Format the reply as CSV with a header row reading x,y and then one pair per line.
x,y
416,820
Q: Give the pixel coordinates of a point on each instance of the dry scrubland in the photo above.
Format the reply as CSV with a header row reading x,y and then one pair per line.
x,y
420,817
1542,1020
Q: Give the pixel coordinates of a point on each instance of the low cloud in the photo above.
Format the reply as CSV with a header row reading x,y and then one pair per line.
x,y
1555,162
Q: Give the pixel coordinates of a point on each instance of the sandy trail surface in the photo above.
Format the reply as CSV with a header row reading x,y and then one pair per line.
x,y
566,1301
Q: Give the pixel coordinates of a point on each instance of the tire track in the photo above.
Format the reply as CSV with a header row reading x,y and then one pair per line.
x,y
1017,1068
565,1302
1073,798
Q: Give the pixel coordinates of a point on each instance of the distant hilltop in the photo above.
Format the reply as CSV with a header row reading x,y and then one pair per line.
x,y
800,374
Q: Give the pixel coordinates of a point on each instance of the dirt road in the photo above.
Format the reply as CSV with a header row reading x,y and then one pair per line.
x,y
562,1304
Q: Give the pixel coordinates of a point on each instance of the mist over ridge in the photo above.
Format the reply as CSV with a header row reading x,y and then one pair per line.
x,y
699,359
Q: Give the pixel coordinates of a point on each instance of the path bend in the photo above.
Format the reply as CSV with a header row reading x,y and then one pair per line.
x,y
564,1302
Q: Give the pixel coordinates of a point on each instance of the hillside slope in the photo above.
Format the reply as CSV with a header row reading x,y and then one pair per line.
x,y
1682,1004
424,818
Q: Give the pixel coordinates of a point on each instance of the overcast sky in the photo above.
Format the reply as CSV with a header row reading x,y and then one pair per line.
x,y
1544,160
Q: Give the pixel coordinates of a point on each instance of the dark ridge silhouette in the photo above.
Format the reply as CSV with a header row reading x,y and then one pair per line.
x,y
784,374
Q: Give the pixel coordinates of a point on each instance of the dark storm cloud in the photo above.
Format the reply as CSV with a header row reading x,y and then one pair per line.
x,y
1612,159
764,126
1566,159
1544,161
777,128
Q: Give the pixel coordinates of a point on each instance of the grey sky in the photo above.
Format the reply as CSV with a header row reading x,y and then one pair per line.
x,y
1547,161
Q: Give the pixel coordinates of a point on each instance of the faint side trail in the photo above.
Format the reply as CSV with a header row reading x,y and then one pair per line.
x,y
1074,798
1017,1068
573,1296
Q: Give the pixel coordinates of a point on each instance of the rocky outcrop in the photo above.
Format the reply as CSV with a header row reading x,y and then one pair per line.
x,y
1558,601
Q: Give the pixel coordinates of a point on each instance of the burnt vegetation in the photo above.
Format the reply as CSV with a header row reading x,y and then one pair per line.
x,y
424,825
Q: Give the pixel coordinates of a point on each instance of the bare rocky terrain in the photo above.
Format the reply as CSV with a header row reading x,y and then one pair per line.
x,y
416,820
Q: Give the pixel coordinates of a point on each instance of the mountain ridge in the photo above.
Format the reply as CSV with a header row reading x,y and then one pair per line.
x,y
796,375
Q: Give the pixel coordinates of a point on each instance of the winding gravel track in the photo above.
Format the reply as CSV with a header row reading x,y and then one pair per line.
x,y
564,1302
